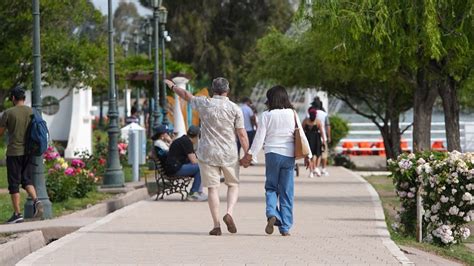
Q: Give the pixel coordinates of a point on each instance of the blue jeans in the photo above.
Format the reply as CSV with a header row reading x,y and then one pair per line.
x,y
191,170
279,189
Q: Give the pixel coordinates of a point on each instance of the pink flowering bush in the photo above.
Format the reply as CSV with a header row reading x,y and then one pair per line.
x,y
447,183
64,180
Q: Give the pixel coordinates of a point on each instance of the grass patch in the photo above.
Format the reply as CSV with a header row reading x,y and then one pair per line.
x,y
3,177
6,208
73,204
386,191
59,208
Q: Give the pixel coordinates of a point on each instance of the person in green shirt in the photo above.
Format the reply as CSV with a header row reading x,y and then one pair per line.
x,y
19,169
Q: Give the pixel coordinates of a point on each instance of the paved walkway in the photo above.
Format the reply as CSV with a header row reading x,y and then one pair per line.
x,y
338,220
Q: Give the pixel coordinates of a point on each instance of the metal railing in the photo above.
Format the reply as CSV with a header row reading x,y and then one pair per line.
x,y
363,134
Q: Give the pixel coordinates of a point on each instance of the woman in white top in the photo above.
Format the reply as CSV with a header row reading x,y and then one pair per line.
x,y
161,139
276,134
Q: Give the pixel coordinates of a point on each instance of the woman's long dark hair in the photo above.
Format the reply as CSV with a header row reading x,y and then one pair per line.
x,y
277,98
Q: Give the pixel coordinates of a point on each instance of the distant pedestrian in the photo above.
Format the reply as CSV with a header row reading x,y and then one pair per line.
x,y
221,120
313,130
250,120
19,168
133,118
322,116
276,134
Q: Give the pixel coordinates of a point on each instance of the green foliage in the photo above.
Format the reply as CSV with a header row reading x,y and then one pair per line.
x,y
218,37
344,160
59,186
377,53
339,130
71,50
390,202
445,180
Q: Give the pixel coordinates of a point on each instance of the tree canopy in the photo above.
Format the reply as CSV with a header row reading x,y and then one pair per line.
x,y
217,37
374,54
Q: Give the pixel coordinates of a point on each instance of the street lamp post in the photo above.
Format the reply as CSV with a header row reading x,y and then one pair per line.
x,y
113,176
37,161
149,34
156,4
125,54
136,41
164,37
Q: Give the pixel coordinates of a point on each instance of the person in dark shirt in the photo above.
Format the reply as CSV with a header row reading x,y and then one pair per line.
x,y
134,117
182,161
15,121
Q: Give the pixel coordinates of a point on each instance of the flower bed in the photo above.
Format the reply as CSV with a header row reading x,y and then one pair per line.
x,y
446,181
64,179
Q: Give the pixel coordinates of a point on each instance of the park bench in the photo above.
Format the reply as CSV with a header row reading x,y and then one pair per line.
x,y
167,185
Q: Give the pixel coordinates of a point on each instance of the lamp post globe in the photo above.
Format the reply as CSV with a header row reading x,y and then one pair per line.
x,y
113,176
156,3
164,34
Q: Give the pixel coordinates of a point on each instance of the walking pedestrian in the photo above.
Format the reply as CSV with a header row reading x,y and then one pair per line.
x,y
313,131
322,116
250,121
276,134
19,168
221,120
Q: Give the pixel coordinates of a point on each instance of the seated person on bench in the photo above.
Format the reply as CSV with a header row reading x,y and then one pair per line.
x,y
182,161
161,142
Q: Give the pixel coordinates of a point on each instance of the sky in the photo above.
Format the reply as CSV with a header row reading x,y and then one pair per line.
x,y
102,5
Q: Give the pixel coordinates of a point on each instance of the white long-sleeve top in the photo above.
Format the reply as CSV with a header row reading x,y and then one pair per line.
x,y
275,133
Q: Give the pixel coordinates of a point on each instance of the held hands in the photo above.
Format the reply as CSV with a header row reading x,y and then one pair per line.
x,y
246,160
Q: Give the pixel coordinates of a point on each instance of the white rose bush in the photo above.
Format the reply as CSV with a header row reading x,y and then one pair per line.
x,y
447,184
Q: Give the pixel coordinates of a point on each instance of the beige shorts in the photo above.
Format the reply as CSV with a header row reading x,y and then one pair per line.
x,y
211,175
325,153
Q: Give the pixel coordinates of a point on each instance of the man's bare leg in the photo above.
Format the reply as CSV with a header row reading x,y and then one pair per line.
x,y
213,201
232,196
31,191
16,202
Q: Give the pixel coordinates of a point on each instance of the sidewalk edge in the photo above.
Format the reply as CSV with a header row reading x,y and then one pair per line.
x,y
33,257
382,225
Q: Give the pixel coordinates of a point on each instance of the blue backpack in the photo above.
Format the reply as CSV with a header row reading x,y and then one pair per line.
x,y
37,135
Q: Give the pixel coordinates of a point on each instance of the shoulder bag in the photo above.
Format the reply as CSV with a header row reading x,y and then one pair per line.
x,y
301,148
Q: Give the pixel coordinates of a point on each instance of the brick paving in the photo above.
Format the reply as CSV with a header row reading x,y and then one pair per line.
x,y
336,222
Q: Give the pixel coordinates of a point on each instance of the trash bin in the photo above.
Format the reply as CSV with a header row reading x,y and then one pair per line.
x,y
135,135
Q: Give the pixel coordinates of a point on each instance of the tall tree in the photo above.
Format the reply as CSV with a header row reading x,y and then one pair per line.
x,y
417,48
214,36
70,53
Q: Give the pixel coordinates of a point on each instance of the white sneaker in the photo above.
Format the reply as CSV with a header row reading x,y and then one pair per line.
x,y
201,196
325,172
311,175
317,172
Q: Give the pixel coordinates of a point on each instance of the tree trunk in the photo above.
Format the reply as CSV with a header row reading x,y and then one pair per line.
x,y
101,111
423,101
448,93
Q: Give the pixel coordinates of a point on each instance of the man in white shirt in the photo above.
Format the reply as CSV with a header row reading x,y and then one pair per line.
x,y
250,121
221,120
322,116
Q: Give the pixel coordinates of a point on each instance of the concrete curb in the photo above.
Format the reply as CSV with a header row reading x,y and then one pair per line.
x,y
47,230
382,230
33,257
13,251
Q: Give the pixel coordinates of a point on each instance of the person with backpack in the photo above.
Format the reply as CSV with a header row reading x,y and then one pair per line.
x,y
17,120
